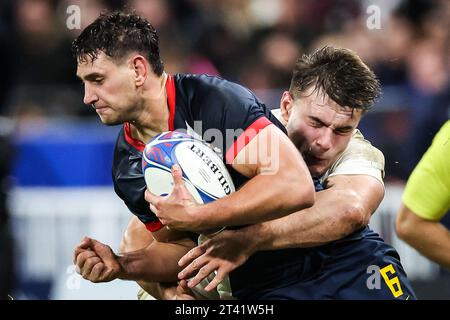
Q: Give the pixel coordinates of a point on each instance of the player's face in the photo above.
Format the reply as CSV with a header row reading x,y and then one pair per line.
x,y
109,88
320,128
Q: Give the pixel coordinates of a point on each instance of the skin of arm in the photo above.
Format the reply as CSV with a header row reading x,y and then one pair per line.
x,y
343,207
430,238
155,262
281,167
137,237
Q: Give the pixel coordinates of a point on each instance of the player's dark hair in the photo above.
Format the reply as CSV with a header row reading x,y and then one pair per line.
x,y
340,74
117,34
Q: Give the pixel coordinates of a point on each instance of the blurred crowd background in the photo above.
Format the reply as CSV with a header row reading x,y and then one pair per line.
x,y
252,42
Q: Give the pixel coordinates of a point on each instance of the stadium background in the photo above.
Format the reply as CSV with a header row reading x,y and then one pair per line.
x,y
60,186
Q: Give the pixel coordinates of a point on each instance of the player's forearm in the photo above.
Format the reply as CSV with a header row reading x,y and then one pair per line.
x,y
263,198
156,263
431,239
327,221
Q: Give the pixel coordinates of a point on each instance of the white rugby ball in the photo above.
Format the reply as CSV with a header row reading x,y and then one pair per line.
x,y
204,173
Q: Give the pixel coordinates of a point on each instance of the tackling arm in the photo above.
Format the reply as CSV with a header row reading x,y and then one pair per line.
x,y
342,208
345,206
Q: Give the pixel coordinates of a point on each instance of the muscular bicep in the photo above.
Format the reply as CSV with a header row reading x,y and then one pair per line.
x,y
135,237
360,191
267,152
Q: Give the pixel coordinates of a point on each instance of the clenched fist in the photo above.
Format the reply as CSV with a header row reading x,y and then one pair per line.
x,y
96,261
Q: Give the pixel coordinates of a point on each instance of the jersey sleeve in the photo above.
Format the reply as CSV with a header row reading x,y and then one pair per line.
x,y
360,157
427,192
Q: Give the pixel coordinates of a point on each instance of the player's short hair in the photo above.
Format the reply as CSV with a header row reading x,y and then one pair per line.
x,y
117,34
339,73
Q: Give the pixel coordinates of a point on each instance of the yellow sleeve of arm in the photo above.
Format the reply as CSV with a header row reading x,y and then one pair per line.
x,y
427,192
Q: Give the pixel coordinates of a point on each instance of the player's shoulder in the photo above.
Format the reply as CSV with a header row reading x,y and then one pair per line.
x,y
207,85
436,157
360,157
360,147
445,129
441,141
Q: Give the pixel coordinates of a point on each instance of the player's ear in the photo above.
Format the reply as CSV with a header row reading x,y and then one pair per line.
x,y
286,104
140,69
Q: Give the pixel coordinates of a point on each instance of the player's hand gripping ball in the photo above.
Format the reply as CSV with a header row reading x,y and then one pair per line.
x,y
204,173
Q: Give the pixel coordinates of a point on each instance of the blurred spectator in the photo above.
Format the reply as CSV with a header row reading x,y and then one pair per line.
x,y
254,42
172,43
42,64
428,82
42,54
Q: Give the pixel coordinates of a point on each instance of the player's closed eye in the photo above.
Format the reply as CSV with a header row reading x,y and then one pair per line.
x,y
98,81
316,124
343,132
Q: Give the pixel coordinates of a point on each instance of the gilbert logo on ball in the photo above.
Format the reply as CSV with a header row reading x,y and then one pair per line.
x,y
204,173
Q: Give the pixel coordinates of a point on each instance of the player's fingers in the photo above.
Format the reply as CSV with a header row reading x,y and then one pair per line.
x,y
177,175
191,255
184,286
220,275
105,274
192,267
88,265
97,269
76,252
82,258
153,209
184,292
84,245
102,250
203,273
162,219
152,198
179,189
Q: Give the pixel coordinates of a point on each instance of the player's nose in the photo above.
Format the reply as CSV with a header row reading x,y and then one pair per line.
x,y
89,96
324,141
